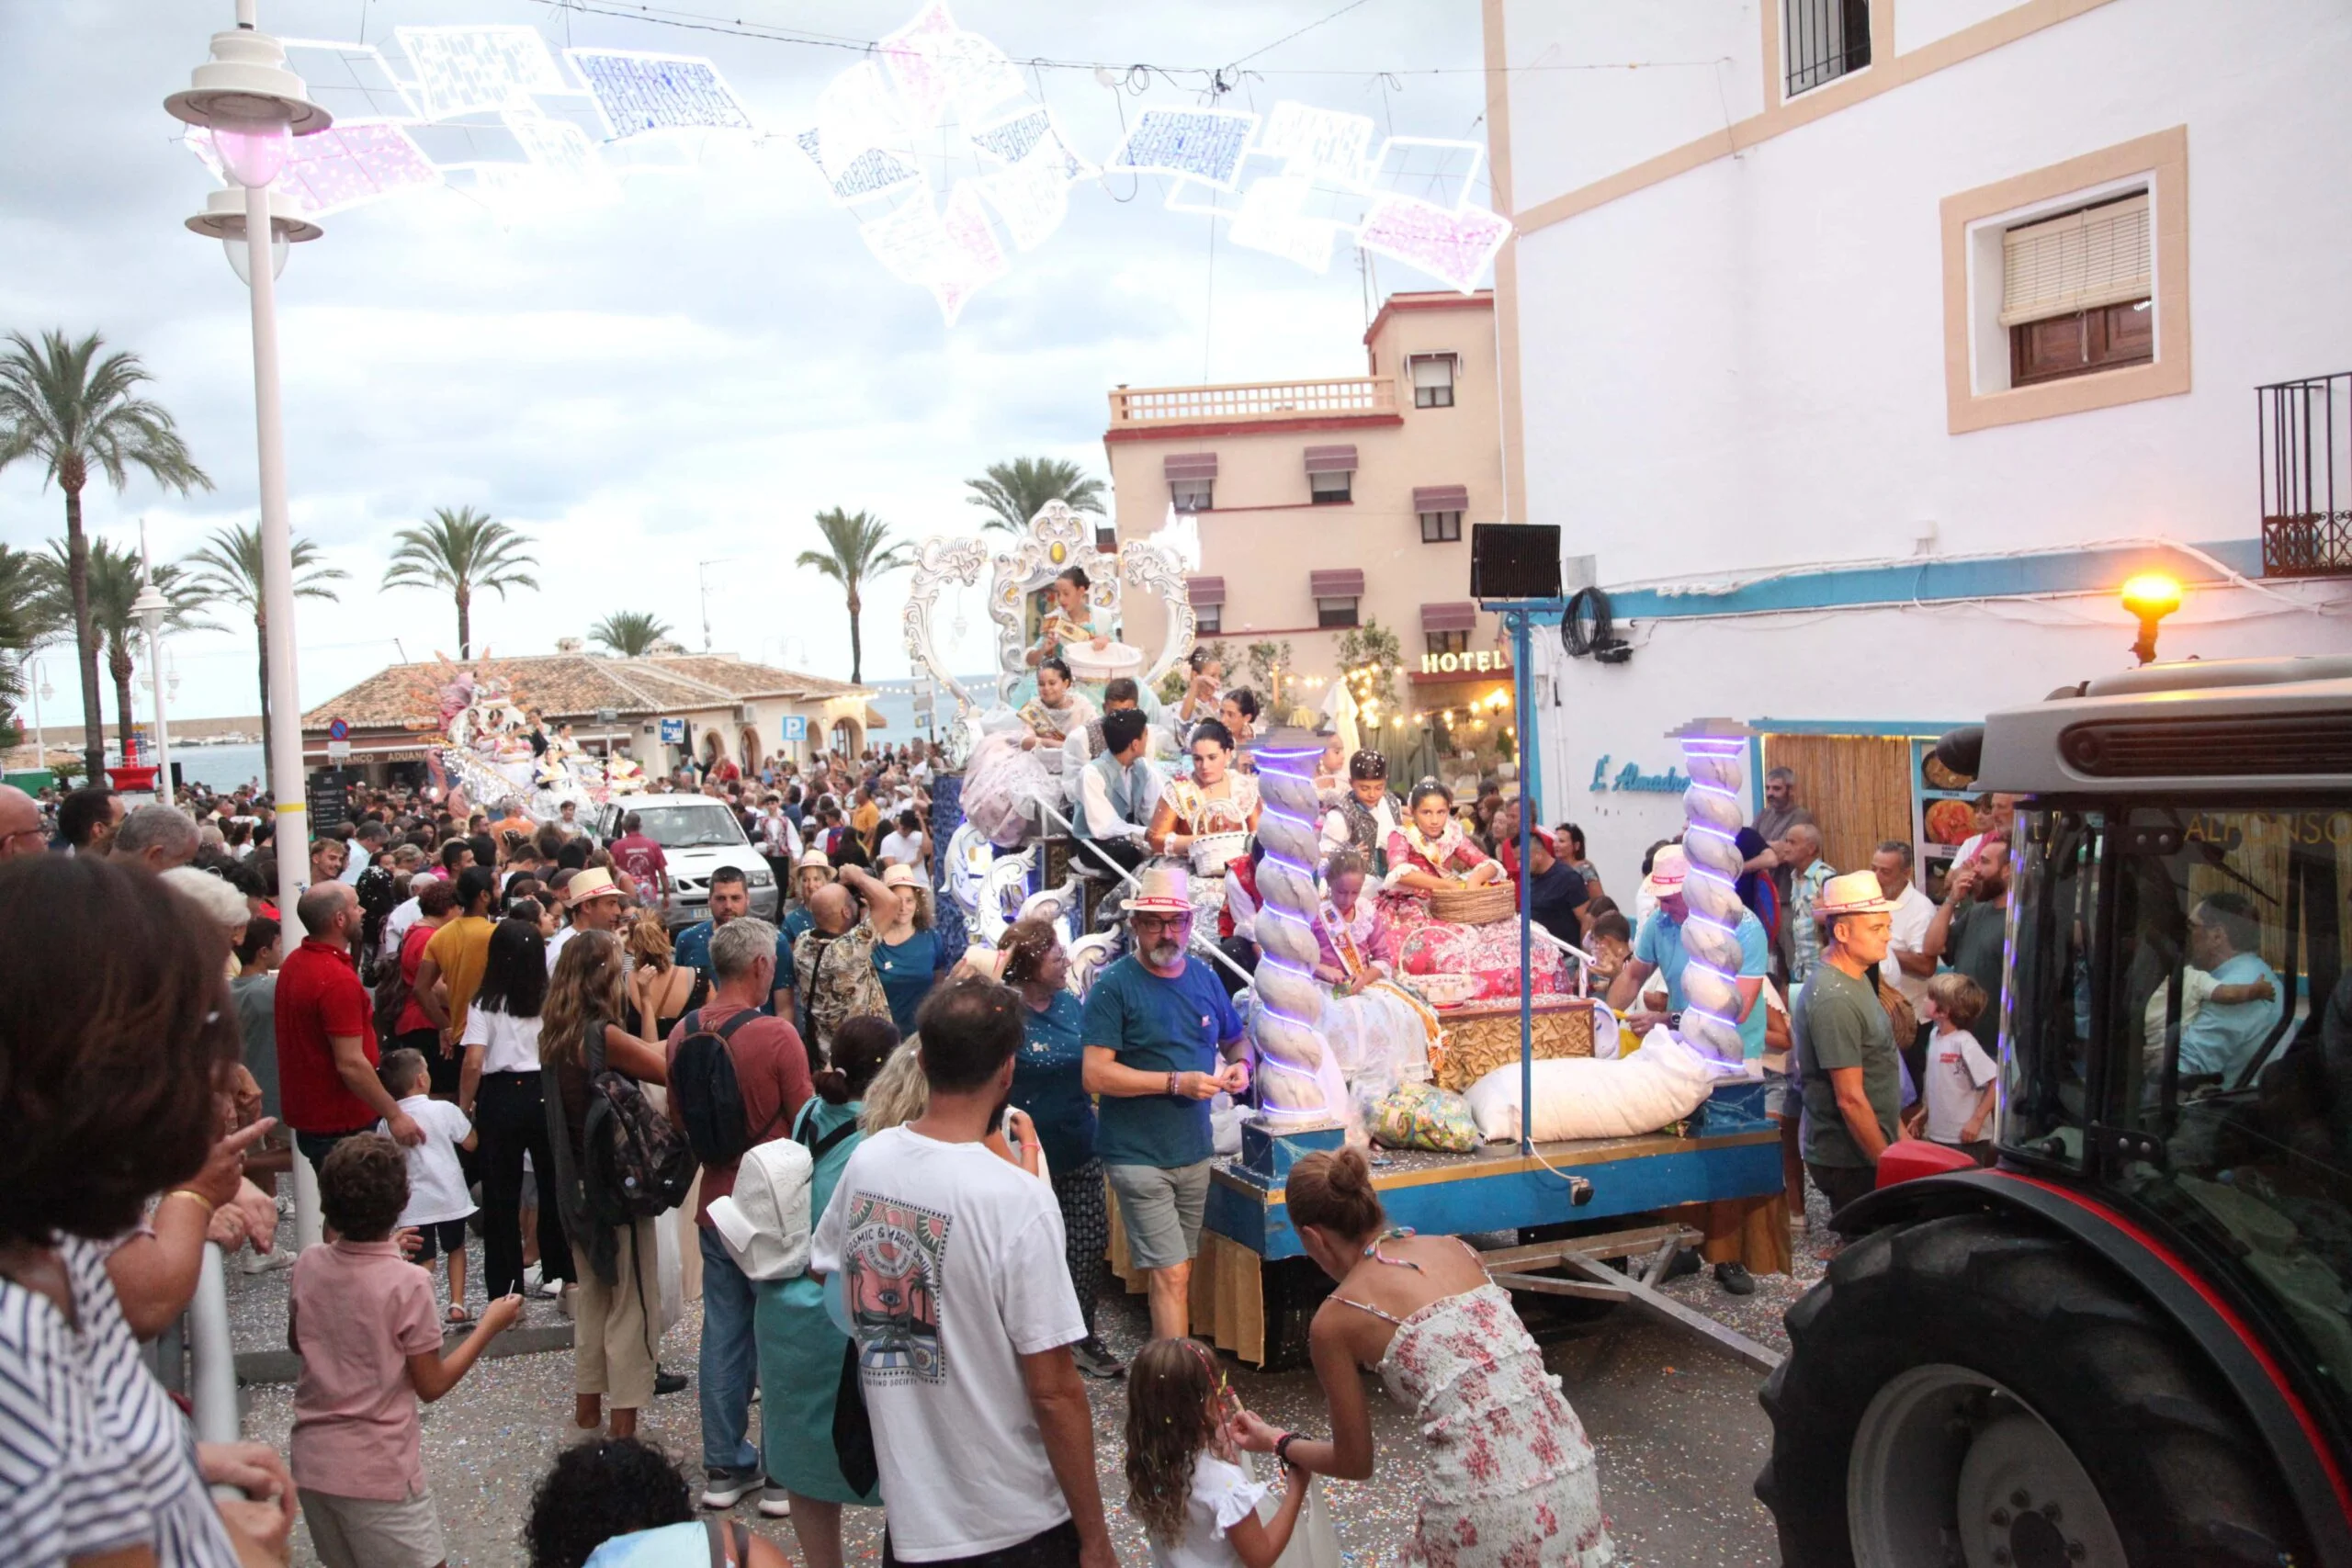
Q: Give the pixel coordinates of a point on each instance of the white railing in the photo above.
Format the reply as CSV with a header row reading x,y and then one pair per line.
x,y
1132,406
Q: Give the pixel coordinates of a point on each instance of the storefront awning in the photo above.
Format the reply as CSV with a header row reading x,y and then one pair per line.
x,y
1347,583
1460,615
1441,498
1330,459
1205,593
1191,466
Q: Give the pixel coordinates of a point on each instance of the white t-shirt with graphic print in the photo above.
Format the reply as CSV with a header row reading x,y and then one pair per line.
x,y
952,1269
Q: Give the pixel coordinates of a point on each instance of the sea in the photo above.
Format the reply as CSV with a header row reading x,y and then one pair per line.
x,y
221,768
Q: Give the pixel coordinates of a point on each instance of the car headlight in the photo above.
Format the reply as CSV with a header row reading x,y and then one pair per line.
x,y
761,878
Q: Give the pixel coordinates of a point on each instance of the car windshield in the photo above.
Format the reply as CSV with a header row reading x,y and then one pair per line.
x,y
690,826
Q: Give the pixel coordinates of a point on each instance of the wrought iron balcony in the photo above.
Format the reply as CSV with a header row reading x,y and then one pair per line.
x,y
2306,455
1246,401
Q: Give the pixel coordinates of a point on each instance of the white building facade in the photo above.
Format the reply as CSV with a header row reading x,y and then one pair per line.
x,y
1867,346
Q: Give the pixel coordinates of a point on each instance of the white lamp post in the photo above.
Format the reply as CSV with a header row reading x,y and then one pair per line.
x,y
36,684
254,106
151,607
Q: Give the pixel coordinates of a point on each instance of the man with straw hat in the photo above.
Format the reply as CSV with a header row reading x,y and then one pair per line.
x,y
809,871
1155,1025
1845,1053
595,902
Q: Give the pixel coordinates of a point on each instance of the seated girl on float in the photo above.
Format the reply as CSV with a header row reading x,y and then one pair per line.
x,y
1054,714
1214,800
1429,854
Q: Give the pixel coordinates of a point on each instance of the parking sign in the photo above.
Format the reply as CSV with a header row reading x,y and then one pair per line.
x,y
795,726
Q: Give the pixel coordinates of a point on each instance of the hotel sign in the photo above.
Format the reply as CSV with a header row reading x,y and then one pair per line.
x,y
1485,662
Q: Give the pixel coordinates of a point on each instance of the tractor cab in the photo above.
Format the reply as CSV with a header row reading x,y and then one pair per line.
x,y
2141,1323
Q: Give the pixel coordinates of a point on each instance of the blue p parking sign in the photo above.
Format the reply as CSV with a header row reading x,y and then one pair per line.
x,y
795,726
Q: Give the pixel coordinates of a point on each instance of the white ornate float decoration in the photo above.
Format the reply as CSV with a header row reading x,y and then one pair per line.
x,y
1299,1084
480,737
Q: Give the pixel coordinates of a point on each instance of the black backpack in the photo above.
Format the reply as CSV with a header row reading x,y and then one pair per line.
x,y
637,1166
710,1099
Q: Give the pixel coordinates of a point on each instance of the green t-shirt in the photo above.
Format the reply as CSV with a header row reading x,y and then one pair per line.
x,y
1978,932
1838,1023
1158,1025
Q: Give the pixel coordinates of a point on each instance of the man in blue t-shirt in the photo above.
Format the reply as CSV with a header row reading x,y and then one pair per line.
x,y
2224,940
730,899
1157,1024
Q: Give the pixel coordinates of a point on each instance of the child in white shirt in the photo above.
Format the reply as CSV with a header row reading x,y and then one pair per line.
x,y
1959,1091
438,1204
1199,1507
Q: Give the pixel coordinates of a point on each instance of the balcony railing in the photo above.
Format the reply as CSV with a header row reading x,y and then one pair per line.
x,y
1249,401
2306,431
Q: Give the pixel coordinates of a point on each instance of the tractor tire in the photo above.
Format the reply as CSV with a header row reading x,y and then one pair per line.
x,y
1950,1380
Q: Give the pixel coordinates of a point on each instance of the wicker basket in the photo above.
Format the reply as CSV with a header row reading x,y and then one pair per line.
x,y
1476,906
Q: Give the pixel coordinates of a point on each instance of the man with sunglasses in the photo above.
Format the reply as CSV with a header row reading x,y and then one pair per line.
x,y
1161,1041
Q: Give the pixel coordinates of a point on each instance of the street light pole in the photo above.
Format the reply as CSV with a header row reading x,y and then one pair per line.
x,y
293,834
150,607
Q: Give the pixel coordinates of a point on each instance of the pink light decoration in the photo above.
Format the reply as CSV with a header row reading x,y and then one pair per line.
x,y
1452,246
954,254
935,63
350,165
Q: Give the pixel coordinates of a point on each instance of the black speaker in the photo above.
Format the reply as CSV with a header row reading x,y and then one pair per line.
x,y
1514,561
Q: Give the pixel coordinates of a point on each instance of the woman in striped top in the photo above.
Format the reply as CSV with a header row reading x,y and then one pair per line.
x,y
115,1028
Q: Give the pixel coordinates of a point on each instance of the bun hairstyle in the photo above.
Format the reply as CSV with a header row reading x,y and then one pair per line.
x,y
1429,787
1334,1190
1076,575
1056,664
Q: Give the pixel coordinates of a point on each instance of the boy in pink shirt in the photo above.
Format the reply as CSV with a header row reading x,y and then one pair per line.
x,y
363,1321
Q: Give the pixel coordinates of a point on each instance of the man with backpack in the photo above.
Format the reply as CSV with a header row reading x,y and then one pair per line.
x,y
737,1078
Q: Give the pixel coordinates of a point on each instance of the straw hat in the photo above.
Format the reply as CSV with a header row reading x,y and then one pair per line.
x,y
1856,892
1161,890
595,882
902,876
1667,869
813,860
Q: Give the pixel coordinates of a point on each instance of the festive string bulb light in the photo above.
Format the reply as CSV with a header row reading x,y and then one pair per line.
x,y
1300,1086
1714,754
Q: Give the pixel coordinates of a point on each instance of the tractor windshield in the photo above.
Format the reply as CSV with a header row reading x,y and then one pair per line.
x,y
2209,945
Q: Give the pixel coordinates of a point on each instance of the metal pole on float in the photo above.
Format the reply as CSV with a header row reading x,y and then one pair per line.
x,y
1522,645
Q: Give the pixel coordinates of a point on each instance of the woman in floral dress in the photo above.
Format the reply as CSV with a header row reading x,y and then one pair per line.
x,y
1431,851
1216,799
1509,1478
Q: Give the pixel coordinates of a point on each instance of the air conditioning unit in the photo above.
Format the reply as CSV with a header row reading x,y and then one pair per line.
x,y
746,713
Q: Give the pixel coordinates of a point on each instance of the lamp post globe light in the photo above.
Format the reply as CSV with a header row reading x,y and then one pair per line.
x,y
254,106
151,607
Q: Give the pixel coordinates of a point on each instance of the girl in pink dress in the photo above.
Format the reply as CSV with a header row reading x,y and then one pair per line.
x,y
1428,852
1510,1481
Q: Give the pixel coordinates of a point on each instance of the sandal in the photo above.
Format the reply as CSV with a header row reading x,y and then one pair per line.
x,y
458,1317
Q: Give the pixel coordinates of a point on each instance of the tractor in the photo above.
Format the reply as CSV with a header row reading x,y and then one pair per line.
x,y
2129,1341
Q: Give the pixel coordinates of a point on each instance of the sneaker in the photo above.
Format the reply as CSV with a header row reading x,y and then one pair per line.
x,y
670,1383
1735,1278
776,1502
725,1487
1686,1263
531,1278
1094,1358
267,1262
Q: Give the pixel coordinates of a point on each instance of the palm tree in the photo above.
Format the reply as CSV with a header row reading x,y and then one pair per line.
x,y
63,404
112,581
1016,491
229,571
463,551
25,622
857,549
632,634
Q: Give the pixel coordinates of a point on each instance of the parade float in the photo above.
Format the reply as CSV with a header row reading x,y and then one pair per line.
x,y
1670,1136
477,737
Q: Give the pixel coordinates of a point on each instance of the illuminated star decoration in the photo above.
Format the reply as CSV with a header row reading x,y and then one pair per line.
x,y
935,97
1320,179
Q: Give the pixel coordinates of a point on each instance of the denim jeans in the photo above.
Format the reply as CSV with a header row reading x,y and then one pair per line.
x,y
730,1358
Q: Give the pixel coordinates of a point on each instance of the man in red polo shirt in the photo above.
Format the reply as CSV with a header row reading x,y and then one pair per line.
x,y
326,1032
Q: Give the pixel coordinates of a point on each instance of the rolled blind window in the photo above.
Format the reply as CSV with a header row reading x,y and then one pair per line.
x,y
1433,370
2079,262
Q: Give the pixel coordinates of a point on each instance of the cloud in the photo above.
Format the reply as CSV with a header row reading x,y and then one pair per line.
x,y
685,377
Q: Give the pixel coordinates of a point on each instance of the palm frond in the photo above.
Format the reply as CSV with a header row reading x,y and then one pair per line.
x,y
1015,492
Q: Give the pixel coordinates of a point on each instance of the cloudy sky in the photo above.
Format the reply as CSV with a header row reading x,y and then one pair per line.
x,y
686,377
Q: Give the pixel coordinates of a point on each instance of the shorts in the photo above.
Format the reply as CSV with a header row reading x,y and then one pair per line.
x,y
1160,1207
446,1236
373,1532
1777,1102
1842,1185
1056,1548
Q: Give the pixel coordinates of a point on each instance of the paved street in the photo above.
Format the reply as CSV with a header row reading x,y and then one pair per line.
x,y
1675,1425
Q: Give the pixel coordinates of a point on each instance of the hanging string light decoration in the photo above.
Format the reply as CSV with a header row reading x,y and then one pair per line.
x,y
1300,1086
1714,752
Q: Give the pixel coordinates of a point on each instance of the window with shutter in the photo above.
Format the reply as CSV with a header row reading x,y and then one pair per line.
x,y
1440,527
1448,642
1331,489
1208,620
1335,612
2076,291
1432,380
1192,495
